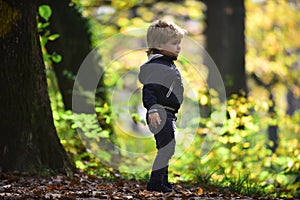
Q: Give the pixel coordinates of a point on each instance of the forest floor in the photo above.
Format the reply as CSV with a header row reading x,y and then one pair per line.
x,y
82,186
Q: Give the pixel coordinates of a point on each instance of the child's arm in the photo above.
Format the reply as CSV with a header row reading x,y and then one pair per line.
x,y
149,96
153,76
150,102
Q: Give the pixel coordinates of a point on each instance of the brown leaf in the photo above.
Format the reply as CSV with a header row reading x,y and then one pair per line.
x,y
50,187
146,193
104,187
200,191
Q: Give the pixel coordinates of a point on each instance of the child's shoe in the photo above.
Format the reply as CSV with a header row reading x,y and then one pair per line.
x,y
158,187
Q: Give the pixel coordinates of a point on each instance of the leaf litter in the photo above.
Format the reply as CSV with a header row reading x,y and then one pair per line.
x,y
82,186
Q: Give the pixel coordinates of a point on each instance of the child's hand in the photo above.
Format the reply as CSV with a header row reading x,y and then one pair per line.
x,y
154,119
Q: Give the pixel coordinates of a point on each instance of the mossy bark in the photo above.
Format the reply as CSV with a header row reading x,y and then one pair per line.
x,y
28,139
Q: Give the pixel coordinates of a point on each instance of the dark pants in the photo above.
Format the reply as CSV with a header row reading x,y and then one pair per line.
x,y
164,136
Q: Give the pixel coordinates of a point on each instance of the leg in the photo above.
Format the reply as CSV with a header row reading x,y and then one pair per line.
x,y
165,143
165,179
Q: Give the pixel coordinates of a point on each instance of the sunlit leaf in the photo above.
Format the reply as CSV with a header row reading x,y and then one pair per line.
x,y
56,57
45,12
53,37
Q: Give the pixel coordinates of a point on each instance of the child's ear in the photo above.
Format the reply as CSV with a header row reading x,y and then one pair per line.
x,y
159,47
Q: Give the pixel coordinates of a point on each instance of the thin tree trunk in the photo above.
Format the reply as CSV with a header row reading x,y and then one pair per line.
x,y
225,41
28,139
73,45
293,103
273,128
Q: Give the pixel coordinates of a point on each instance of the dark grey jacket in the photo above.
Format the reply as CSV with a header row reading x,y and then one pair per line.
x,y
162,83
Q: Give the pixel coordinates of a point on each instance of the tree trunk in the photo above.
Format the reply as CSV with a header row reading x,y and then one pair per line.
x,y
293,102
73,45
225,41
28,139
272,128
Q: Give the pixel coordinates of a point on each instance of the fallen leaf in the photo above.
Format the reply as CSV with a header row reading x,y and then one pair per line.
x,y
200,191
105,187
50,187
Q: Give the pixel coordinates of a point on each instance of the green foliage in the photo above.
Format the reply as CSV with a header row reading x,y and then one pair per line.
x,y
241,157
120,16
45,13
272,38
75,130
89,125
243,185
68,124
137,118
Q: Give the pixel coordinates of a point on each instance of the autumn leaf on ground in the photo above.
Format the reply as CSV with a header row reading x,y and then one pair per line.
x,y
200,191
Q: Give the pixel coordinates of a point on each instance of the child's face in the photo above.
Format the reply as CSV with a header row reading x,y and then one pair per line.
x,y
171,48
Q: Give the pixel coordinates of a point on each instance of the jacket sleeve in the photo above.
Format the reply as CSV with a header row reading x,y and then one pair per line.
x,y
150,97
153,77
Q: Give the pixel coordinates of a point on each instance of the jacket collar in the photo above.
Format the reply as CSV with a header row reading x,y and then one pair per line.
x,y
158,55
152,57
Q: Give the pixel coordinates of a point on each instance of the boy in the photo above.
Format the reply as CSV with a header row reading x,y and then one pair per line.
x,y
162,96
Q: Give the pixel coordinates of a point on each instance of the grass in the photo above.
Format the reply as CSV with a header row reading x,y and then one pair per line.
x,y
242,184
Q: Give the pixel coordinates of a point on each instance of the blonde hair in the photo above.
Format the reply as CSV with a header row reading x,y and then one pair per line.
x,y
161,31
